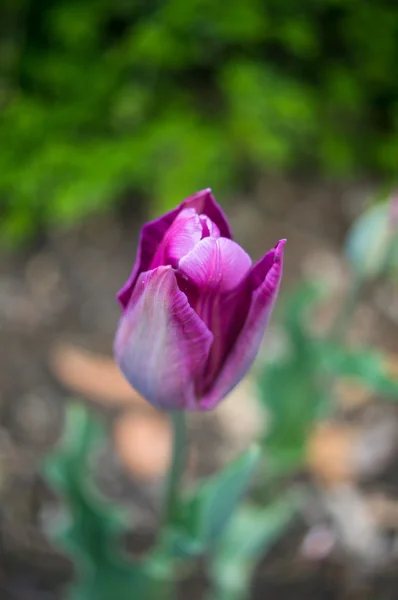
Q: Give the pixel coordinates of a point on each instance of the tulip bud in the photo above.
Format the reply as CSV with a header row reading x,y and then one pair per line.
x,y
371,243
194,308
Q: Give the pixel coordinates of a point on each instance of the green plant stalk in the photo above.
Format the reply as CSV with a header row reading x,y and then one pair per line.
x,y
163,586
226,594
161,590
177,467
233,590
346,311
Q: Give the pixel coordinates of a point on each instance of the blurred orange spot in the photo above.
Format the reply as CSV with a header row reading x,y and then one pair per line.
x,y
92,376
329,452
350,393
143,443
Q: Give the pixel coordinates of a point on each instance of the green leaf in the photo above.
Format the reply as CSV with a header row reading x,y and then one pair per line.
x,y
290,386
248,536
91,530
209,509
367,366
252,530
295,387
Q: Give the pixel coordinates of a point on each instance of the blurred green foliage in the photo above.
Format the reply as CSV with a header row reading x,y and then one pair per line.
x,y
101,98
92,529
296,387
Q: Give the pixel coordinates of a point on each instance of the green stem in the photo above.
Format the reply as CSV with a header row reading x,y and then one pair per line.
x,y
161,565
177,466
347,309
226,593
161,590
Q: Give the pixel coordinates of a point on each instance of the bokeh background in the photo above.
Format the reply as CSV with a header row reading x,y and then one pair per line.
x,y
105,102
113,111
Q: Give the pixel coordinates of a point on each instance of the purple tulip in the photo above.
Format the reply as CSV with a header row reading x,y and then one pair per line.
x,y
194,308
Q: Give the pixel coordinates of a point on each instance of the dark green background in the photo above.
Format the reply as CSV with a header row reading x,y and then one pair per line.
x,y
101,99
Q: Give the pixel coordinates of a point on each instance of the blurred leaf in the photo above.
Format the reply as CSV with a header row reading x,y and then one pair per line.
x,y
367,367
298,35
90,532
297,387
249,535
290,387
207,512
266,112
368,241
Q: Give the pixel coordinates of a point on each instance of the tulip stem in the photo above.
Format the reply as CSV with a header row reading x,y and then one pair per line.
x,y
177,466
345,314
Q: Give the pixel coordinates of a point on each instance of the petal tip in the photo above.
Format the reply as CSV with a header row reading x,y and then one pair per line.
x,y
205,194
205,191
279,248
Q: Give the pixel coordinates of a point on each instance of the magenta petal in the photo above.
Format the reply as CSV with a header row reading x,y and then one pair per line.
x,y
215,265
181,237
151,236
161,344
209,229
261,268
249,340
153,233
204,203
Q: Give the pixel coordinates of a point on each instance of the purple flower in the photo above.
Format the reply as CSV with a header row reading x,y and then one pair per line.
x,y
194,308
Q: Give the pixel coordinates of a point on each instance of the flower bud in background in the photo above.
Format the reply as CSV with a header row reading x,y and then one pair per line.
x,y
370,244
195,308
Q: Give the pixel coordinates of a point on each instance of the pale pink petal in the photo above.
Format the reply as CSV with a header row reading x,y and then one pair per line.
x,y
162,345
215,265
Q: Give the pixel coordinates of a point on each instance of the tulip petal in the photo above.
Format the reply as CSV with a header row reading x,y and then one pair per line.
x,y
181,237
214,269
162,345
215,265
151,236
204,203
209,229
153,233
249,340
